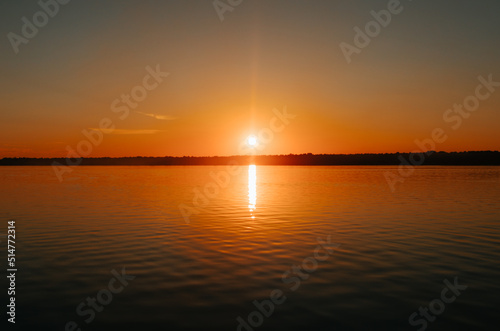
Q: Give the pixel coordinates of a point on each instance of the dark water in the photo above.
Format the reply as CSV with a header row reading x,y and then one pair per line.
x,y
389,252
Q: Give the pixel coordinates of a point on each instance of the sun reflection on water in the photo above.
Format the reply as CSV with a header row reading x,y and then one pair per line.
x,y
252,188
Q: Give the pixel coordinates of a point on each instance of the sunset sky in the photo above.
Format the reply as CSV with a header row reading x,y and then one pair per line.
x,y
226,77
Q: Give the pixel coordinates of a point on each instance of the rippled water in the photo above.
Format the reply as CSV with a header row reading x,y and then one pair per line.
x,y
395,248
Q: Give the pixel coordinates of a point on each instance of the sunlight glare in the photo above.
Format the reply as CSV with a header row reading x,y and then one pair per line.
x,y
252,187
252,141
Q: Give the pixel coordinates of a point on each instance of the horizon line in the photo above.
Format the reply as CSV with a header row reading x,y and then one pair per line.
x,y
253,155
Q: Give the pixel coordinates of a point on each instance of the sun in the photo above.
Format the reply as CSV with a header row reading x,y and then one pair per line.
x,y
252,141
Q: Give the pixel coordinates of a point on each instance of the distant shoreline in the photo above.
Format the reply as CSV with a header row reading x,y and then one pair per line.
x,y
432,158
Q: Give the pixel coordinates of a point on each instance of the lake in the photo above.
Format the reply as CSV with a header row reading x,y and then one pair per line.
x,y
316,248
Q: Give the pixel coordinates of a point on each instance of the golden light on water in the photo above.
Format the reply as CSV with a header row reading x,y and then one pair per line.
x,y
252,187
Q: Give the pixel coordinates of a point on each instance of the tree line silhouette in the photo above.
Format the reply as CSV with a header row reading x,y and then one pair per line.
x,y
430,158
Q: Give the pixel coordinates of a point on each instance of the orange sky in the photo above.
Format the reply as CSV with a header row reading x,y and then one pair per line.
x,y
226,77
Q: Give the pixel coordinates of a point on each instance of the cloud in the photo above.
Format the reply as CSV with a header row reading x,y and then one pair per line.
x,y
125,131
14,150
158,117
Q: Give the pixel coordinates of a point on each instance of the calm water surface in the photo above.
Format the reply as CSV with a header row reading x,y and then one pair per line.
x,y
395,248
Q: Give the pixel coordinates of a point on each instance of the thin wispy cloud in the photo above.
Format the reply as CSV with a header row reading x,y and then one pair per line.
x,y
14,150
158,116
127,131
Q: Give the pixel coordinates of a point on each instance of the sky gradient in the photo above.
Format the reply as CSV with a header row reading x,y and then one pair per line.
x,y
226,77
